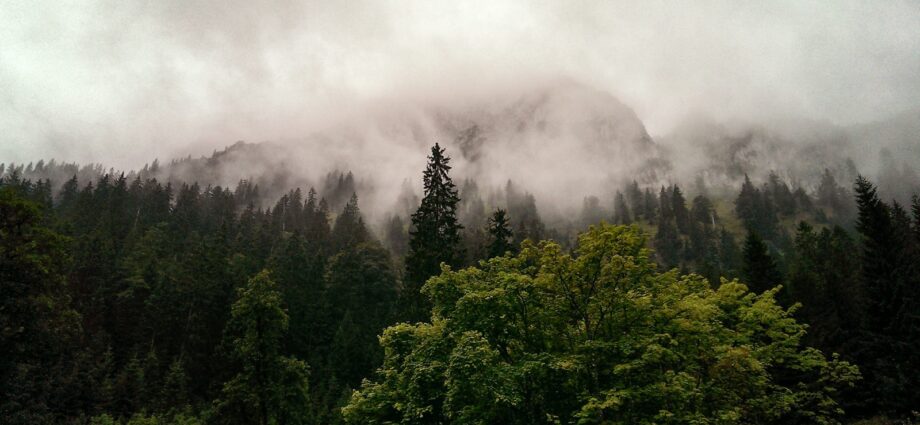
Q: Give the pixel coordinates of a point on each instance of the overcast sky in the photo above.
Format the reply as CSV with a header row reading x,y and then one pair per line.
x,y
122,82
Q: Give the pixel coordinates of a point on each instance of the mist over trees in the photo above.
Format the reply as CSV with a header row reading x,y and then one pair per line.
x,y
489,212
154,297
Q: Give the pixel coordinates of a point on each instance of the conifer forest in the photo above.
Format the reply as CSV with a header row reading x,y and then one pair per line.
x,y
426,225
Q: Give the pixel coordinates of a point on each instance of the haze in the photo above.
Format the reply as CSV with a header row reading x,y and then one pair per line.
x,y
125,82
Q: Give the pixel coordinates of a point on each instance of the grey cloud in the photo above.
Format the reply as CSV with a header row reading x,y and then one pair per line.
x,y
124,82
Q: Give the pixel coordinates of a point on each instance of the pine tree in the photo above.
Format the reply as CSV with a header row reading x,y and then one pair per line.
x,y
667,243
782,196
679,208
349,229
621,210
397,238
268,387
888,279
361,296
666,211
746,205
435,233
728,254
37,323
500,233
650,206
758,269
591,211
636,201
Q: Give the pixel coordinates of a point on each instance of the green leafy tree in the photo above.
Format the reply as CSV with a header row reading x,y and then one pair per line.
x,y
597,336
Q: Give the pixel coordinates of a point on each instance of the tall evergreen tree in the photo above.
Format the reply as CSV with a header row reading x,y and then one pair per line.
x,y
667,243
268,388
747,203
650,206
37,323
435,233
888,278
621,210
729,257
758,268
500,233
679,208
397,237
349,229
636,201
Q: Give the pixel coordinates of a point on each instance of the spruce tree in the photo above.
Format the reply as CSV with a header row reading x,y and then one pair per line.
x,y
667,243
889,282
758,269
500,233
679,208
268,387
634,196
349,229
621,210
435,234
37,323
728,254
650,206
747,202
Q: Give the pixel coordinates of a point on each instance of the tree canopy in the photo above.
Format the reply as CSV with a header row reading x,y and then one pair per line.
x,y
598,336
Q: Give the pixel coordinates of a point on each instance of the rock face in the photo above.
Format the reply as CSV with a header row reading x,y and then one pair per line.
x,y
562,141
887,152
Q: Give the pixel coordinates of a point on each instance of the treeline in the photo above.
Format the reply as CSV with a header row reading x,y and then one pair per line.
x,y
123,298
130,300
848,262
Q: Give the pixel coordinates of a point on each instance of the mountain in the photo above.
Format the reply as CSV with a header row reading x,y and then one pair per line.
x,y
560,140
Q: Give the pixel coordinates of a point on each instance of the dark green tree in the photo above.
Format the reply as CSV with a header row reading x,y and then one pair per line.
x,y
362,298
667,243
37,323
621,213
349,229
435,234
679,209
758,268
650,206
889,281
268,387
500,234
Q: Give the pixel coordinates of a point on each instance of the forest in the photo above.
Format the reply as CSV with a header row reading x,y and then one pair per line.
x,y
127,300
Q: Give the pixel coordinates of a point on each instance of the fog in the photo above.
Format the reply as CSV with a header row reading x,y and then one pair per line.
x,y
370,86
121,82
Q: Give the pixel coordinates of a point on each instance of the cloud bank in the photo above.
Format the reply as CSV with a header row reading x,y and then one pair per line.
x,y
125,82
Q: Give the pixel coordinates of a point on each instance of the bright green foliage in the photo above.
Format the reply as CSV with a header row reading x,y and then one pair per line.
x,y
268,387
597,336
